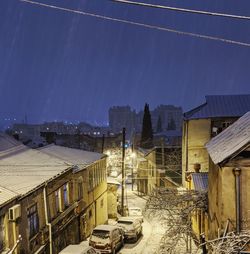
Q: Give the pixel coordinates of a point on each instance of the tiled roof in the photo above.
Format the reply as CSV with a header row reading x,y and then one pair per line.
x,y
232,140
221,106
200,181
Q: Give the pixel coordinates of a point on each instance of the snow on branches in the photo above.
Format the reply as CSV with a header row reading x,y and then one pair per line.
x,y
231,243
174,207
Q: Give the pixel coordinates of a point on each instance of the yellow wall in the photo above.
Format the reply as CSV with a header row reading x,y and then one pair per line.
x,y
196,133
222,197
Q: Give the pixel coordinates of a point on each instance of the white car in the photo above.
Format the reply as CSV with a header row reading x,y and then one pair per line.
x,y
82,248
135,212
132,227
107,238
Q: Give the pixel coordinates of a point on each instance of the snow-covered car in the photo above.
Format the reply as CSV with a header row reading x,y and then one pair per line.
x,y
132,227
82,248
107,238
135,212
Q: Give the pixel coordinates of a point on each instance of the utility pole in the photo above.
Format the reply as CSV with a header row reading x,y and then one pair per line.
x,y
123,173
103,140
133,161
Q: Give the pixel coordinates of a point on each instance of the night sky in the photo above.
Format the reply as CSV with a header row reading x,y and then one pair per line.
x,y
57,65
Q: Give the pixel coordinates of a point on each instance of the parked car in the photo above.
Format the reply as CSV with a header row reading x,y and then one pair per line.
x,y
82,248
135,212
132,227
107,238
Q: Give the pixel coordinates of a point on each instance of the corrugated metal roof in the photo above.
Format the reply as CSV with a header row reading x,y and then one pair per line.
x,y
26,169
231,140
200,181
221,106
23,169
6,195
71,155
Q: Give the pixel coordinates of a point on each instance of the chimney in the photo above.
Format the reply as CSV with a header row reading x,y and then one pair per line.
x,y
197,167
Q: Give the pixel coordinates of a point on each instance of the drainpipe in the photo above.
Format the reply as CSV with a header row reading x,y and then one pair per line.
x,y
186,146
237,172
47,219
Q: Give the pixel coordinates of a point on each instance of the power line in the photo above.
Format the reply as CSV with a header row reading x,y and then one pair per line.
x,y
165,29
225,15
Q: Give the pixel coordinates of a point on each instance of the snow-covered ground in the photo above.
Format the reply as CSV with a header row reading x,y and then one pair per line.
x,y
152,231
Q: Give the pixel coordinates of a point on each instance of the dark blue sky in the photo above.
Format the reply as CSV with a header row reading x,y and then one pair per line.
x,y
64,66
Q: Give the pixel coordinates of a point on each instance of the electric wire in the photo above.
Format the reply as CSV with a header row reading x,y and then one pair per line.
x,y
165,29
224,15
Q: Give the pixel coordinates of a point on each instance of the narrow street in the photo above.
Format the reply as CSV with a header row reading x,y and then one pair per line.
x,y
149,242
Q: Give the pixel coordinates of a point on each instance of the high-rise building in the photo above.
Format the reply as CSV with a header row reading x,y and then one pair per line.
x,y
120,117
171,117
124,116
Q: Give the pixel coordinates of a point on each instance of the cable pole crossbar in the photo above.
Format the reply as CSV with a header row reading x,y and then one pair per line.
x,y
165,29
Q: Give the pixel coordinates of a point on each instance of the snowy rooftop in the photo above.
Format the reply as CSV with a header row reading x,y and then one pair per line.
x,y
23,169
72,156
232,140
6,195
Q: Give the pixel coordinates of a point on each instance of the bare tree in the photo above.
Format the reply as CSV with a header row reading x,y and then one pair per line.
x,y
174,207
231,243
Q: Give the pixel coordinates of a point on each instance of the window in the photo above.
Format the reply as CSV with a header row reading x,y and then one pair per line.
x,y
66,195
90,213
79,188
1,233
90,179
33,220
57,200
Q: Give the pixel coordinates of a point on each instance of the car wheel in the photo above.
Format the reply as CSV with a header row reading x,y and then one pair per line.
x,y
136,238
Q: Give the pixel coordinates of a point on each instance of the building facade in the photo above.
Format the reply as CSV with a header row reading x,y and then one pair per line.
x,y
207,121
50,197
229,176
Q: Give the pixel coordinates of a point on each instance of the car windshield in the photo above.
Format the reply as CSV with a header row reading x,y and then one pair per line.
x,y
125,222
101,233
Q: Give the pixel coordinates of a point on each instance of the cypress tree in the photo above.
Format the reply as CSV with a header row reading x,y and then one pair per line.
x,y
147,131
